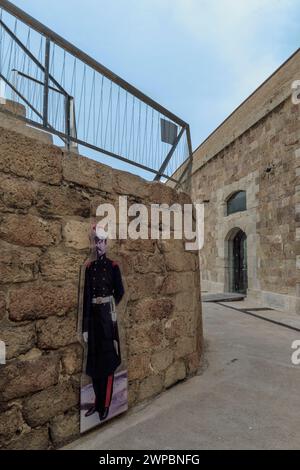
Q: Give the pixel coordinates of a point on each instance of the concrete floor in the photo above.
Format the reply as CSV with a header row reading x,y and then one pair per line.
x,y
247,398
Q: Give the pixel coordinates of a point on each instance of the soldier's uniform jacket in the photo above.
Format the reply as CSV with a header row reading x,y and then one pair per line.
x,y
102,278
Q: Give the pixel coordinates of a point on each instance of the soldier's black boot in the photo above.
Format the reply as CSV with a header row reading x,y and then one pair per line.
x,y
90,411
103,414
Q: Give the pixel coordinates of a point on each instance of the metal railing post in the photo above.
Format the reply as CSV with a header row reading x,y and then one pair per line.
x,y
68,120
189,164
46,83
73,130
169,156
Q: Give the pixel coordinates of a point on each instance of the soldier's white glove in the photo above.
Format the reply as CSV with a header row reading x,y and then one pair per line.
x,y
85,336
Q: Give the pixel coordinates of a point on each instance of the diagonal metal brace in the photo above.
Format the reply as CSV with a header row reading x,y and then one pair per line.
x,y
31,56
14,89
169,156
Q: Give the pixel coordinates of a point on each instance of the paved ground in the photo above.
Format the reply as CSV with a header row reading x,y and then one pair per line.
x,y
247,398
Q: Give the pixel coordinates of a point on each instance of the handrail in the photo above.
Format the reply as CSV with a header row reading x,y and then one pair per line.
x,y
144,144
88,60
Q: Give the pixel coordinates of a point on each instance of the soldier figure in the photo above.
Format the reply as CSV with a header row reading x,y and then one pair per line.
x,y
103,287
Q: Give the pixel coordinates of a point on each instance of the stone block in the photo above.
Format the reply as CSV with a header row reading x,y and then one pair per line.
x,y
184,198
150,387
151,309
178,282
125,183
162,194
29,230
176,327
20,378
63,201
72,357
144,285
162,360
27,157
41,300
125,261
65,428
139,245
18,340
36,439
139,366
175,373
58,264
181,261
97,200
146,338
193,362
17,264
185,346
16,193
56,332
185,302
76,234
144,263
42,406
87,173
11,423
171,246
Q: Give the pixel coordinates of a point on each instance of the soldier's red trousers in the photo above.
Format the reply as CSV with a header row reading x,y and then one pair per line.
x,y
103,388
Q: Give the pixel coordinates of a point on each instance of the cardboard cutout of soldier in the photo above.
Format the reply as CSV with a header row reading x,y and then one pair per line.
x,y
103,289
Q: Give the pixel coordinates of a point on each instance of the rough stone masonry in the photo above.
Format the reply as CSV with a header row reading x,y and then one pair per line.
x,y
255,150
46,200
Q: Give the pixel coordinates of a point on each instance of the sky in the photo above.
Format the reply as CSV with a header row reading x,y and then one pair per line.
x,y
198,58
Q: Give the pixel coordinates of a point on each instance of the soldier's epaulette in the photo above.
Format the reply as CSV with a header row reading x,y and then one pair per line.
x,y
114,264
88,264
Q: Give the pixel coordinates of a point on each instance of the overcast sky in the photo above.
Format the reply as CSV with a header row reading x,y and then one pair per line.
x,y
199,58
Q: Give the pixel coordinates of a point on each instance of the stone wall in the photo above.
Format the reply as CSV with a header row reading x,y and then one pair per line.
x,y
262,162
47,199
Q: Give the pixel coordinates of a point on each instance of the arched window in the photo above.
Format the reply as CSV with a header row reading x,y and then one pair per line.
x,y
237,202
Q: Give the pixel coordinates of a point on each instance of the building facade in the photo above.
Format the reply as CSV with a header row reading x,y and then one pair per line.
x,y
247,173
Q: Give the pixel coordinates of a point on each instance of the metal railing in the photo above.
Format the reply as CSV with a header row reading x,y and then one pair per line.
x,y
74,97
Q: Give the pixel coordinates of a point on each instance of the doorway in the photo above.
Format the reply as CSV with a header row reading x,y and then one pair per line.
x,y
237,254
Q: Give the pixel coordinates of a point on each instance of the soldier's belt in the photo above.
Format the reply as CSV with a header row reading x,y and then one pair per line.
x,y
101,300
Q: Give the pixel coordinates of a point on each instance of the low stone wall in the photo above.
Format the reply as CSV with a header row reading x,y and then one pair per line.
x,y
47,199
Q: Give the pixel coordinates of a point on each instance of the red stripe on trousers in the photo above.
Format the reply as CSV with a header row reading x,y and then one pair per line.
x,y
108,391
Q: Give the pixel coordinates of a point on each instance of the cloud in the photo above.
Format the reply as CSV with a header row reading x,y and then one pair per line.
x,y
242,37
239,35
